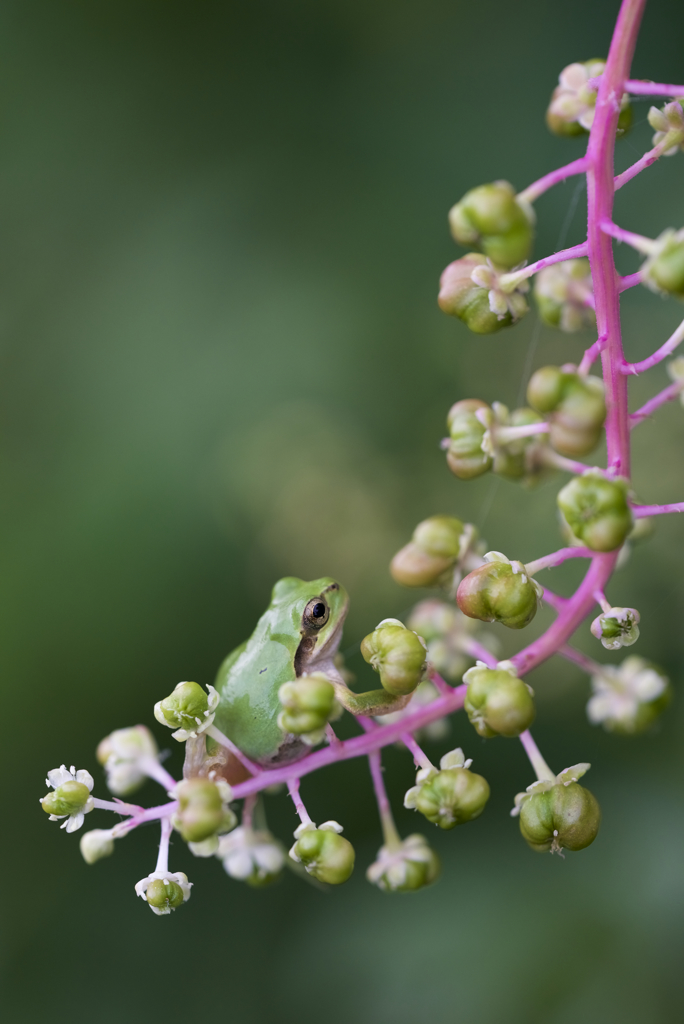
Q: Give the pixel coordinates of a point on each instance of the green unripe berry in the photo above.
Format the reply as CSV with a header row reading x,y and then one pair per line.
x,y
164,894
574,405
596,511
460,296
397,654
308,704
452,797
491,218
465,455
497,702
69,798
326,855
664,270
439,535
433,550
499,592
563,817
200,809
182,708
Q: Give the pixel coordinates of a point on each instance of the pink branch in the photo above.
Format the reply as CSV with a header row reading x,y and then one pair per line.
x,y
644,511
638,88
666,395
421,760
440,683
591,355
662,353
357,746
557,257
549,561
537,188
293,790
629,281
151,814
584,661
642,163
541,768
557,602
638,242
478,651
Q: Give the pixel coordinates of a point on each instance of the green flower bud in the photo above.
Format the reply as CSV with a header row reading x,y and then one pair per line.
x,y
669,125
573,103
465,455
628,698
308,705
451,796
596,511
616,628
432,553
71,798
574,406
397,654
491,218
164,891
473,290
497,702
201,808
324,853
188,709
405,868
96,844
501,591
663,271
565,817
561,292
513,459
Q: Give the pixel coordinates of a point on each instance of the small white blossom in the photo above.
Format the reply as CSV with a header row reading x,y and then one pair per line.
x,y
250,855
567,289
96,844
668,122
178,878
616,628
57,778
621,691
501,301
574,99
411,865
123,755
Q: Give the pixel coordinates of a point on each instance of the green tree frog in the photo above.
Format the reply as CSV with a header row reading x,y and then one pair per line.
x,y
298,634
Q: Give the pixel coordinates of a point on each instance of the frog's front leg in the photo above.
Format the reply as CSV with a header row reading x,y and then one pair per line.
x,y
373,703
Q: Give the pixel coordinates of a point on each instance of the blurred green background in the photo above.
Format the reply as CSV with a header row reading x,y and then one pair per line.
x,y
221,229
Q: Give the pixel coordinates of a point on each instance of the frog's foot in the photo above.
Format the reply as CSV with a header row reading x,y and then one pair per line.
x,y
372,703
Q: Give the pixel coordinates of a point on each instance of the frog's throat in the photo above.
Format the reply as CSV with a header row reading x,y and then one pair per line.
x,y
312,657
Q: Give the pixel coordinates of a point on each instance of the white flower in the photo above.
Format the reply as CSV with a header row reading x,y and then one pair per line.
x,y
564,778
200,724
668,122
616,628
69,801
97,843
170,880
250,855
501,301
410,865
621,691
574,99
123,755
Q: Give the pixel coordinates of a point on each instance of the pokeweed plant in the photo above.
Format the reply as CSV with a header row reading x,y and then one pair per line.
x,y
277,694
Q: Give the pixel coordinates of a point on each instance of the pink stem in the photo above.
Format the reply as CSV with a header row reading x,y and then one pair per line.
x,y
552,458
591,355
420,759
557,257
537,188
645,161
583,660
629,281
666,395
293,790
478,651
248,810
557,602
217,735
331,735
644,511
391,836
638,88
440,683
118,806
357,746
662,353
557,558
638,242
541,768
151,814
156,771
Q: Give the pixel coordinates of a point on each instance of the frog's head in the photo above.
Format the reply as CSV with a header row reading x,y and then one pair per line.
x,y
317,611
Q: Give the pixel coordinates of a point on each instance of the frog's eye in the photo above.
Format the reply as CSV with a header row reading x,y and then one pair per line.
x,y
316,613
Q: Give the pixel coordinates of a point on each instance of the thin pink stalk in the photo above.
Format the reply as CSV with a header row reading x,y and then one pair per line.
x,y
389,829
638,242
440,683
331,735
591,355
552,458
629,281
504,435
420,758
586,663
537,188
156,771
668,394
293,790
638,88
118,806
557,257
357,746
662,353
163,855
217,735
541,768
557,602
644,511
150,814
478,651
557,558
642,163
